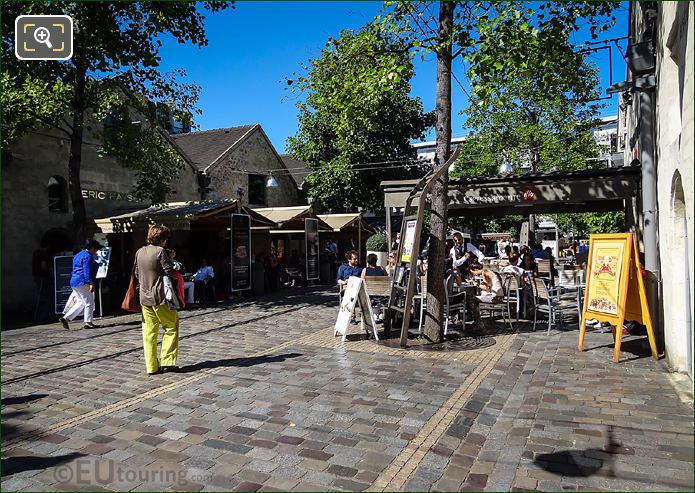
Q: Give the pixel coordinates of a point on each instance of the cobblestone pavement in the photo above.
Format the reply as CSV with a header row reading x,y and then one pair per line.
x,y
267,399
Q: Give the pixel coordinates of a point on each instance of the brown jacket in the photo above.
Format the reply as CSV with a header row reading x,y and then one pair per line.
x,y
151,265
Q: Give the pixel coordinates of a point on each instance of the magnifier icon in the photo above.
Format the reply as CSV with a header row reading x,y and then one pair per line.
x,y
43,35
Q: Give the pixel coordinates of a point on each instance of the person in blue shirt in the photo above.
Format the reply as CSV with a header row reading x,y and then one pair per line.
x,y
348,269
82,282
538,252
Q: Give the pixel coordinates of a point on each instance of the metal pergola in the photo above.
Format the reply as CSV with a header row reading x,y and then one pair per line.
x,y
590,190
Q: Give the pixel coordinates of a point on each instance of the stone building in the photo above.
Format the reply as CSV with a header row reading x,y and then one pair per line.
x,y
661,47
237,163
36,209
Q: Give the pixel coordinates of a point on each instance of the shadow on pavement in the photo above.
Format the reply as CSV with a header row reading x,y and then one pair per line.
x,y
13,465
577,463
237,362
23,399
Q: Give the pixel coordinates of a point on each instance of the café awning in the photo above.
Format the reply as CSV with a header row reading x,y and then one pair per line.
x,y
179,216
291,219
342,222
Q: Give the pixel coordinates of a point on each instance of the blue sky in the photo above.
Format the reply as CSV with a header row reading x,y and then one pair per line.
x,y
255,46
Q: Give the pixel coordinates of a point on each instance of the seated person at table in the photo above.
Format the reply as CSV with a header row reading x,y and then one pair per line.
x,y
506,252
513,267
199,280
391,266
538,252
372,269
348,269
490,292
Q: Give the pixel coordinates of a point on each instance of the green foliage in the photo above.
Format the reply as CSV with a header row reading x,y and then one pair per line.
x,y
533,90
378,243
115,64
145,150
357,110
585,224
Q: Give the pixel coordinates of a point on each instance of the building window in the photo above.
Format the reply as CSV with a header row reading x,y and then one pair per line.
x,y
57,194
257,189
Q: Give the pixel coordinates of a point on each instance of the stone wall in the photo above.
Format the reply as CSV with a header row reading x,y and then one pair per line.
x,y
25,215
674,155
254,154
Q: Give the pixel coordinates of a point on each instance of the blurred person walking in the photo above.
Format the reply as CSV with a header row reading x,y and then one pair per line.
x,y
82,282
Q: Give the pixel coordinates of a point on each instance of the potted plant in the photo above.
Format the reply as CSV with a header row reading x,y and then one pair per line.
x,y
378,245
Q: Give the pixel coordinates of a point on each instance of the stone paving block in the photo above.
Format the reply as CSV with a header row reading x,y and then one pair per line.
x,y
338,403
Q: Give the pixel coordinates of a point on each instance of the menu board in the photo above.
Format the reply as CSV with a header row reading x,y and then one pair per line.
x,y
311,235
103,258
62,269
408,241
241,252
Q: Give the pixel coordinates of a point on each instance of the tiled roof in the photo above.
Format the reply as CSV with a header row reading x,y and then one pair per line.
x,y
298,169
204,148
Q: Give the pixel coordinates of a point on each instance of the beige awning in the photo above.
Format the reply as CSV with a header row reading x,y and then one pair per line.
x,y
292,218
178,216
340,222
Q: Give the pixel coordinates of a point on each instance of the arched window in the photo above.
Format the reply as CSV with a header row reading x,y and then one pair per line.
x,y
57,194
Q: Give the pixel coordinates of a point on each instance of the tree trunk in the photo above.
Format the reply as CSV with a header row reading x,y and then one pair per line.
x,y
79,215
434,323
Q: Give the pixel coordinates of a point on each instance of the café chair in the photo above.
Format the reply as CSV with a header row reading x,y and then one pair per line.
x,y
421,297
453,305
549,301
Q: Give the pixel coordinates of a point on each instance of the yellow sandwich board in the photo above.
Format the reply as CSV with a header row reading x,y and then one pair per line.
x,y
615,288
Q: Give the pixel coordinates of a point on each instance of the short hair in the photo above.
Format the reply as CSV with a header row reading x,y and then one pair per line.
x,y
350,253
157,233
507,249
475,265
457,235
93,244
513,258
371,259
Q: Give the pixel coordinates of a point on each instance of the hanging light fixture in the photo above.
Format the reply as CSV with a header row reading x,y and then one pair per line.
x,y
271,182
505,168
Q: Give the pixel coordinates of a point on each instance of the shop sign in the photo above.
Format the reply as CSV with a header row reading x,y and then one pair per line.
x,y
104,195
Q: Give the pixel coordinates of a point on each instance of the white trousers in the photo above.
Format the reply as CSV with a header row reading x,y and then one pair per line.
x,y
189,289
84,301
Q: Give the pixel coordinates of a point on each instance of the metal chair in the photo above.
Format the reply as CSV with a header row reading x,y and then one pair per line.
x,y
500,304
548,300
512,296
421,296
451,306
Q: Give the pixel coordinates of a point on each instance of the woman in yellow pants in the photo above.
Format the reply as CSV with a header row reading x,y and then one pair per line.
x,y
152,263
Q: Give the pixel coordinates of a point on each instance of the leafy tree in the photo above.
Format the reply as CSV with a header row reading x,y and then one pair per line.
x,y
533,100
115,65
357,110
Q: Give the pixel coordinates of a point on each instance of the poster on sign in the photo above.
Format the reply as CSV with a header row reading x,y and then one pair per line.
x,y
103,258
62,270
355,293
408,241
241,252
311,235
606,265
